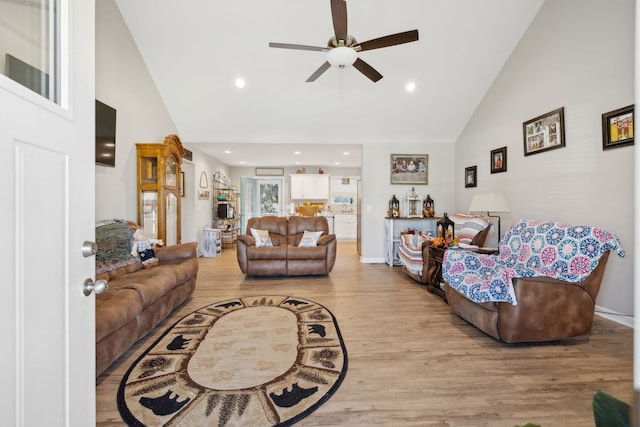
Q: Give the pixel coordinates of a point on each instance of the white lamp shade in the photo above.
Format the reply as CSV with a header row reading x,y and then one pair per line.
x,y
491,202
342,56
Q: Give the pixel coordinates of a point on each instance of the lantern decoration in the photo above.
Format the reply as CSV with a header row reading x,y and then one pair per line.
x,y
428,209
443,228
394,208
414,201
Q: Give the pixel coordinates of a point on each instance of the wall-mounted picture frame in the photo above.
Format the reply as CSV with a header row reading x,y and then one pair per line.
x,y
499,160
203,194
471,176
544,133
269,171
204,182
409,169
181,184
617,128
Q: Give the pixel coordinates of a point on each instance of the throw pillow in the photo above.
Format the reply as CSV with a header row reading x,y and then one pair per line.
x,y
309,239
262,237
409,240
471,228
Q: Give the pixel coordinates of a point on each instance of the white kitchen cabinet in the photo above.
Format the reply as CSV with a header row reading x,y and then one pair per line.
x,y
344,190
309,186
346,227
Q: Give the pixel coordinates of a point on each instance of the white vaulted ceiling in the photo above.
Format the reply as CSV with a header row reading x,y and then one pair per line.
x,y
196,49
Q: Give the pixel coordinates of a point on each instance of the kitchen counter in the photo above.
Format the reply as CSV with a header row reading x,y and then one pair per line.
x,y
346,226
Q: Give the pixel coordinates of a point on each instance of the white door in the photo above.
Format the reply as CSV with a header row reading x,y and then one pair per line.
x,y
48,355
248,202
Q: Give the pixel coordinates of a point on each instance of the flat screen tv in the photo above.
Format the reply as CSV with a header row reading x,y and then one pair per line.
x,y
105,135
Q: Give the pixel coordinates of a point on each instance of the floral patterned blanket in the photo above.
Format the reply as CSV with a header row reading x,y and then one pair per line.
x,y
528,249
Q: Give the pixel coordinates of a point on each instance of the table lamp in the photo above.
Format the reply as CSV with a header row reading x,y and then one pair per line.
x,y
491,202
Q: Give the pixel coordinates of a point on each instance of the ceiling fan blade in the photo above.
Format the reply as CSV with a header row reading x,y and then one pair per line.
x,y
324,67
390,40
339,14
367,70
298,47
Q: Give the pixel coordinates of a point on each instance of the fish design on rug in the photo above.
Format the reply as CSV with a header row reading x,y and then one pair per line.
x,y
163,405
178,343
291,398
317,329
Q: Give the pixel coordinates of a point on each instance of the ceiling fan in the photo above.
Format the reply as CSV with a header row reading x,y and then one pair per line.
x,y
343,48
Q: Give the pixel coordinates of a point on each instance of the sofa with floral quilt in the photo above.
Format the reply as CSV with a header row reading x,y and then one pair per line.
x,y
542,286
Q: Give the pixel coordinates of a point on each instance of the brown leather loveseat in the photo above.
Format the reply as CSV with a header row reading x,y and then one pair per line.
x,y
285,256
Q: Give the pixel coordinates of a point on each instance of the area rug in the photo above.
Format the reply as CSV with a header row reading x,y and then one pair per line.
x,y
250,361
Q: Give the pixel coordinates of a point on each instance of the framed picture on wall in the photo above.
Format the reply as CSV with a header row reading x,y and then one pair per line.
x,y
269,171
499,160
471,176
617,128
409,169
204,182
544,133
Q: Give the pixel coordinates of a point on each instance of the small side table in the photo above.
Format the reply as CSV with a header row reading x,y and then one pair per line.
x,y
434,272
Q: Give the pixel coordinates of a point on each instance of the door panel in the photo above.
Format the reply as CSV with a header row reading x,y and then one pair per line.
x,y
41,292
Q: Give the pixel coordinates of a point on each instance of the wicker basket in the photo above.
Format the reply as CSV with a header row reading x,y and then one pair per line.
x,y
308,210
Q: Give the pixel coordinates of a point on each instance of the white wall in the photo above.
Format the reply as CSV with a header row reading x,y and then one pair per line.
x,y
203,215
377,189
123,82
577,54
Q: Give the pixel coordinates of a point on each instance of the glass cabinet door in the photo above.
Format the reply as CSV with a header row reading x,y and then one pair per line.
x,y
149,207
149,170
171,172
172,219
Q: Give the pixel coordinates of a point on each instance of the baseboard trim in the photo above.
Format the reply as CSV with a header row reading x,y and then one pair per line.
x,y
614,316
372,260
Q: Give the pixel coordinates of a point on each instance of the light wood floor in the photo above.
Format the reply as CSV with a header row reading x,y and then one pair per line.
x,y
412,362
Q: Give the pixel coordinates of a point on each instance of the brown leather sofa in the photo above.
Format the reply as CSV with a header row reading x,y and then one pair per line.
x,y
542,286
548,309
285,257
138,298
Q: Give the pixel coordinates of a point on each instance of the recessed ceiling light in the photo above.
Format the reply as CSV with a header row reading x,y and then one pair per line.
x,y
227,152
240,83
296,152
337,163
411,86
297,163
346,153
242,163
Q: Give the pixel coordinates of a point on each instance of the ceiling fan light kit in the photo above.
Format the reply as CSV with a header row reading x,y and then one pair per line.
x,y
342,56
343,49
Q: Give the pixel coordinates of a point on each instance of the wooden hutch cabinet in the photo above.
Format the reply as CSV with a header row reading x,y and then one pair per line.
x,y
159,189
